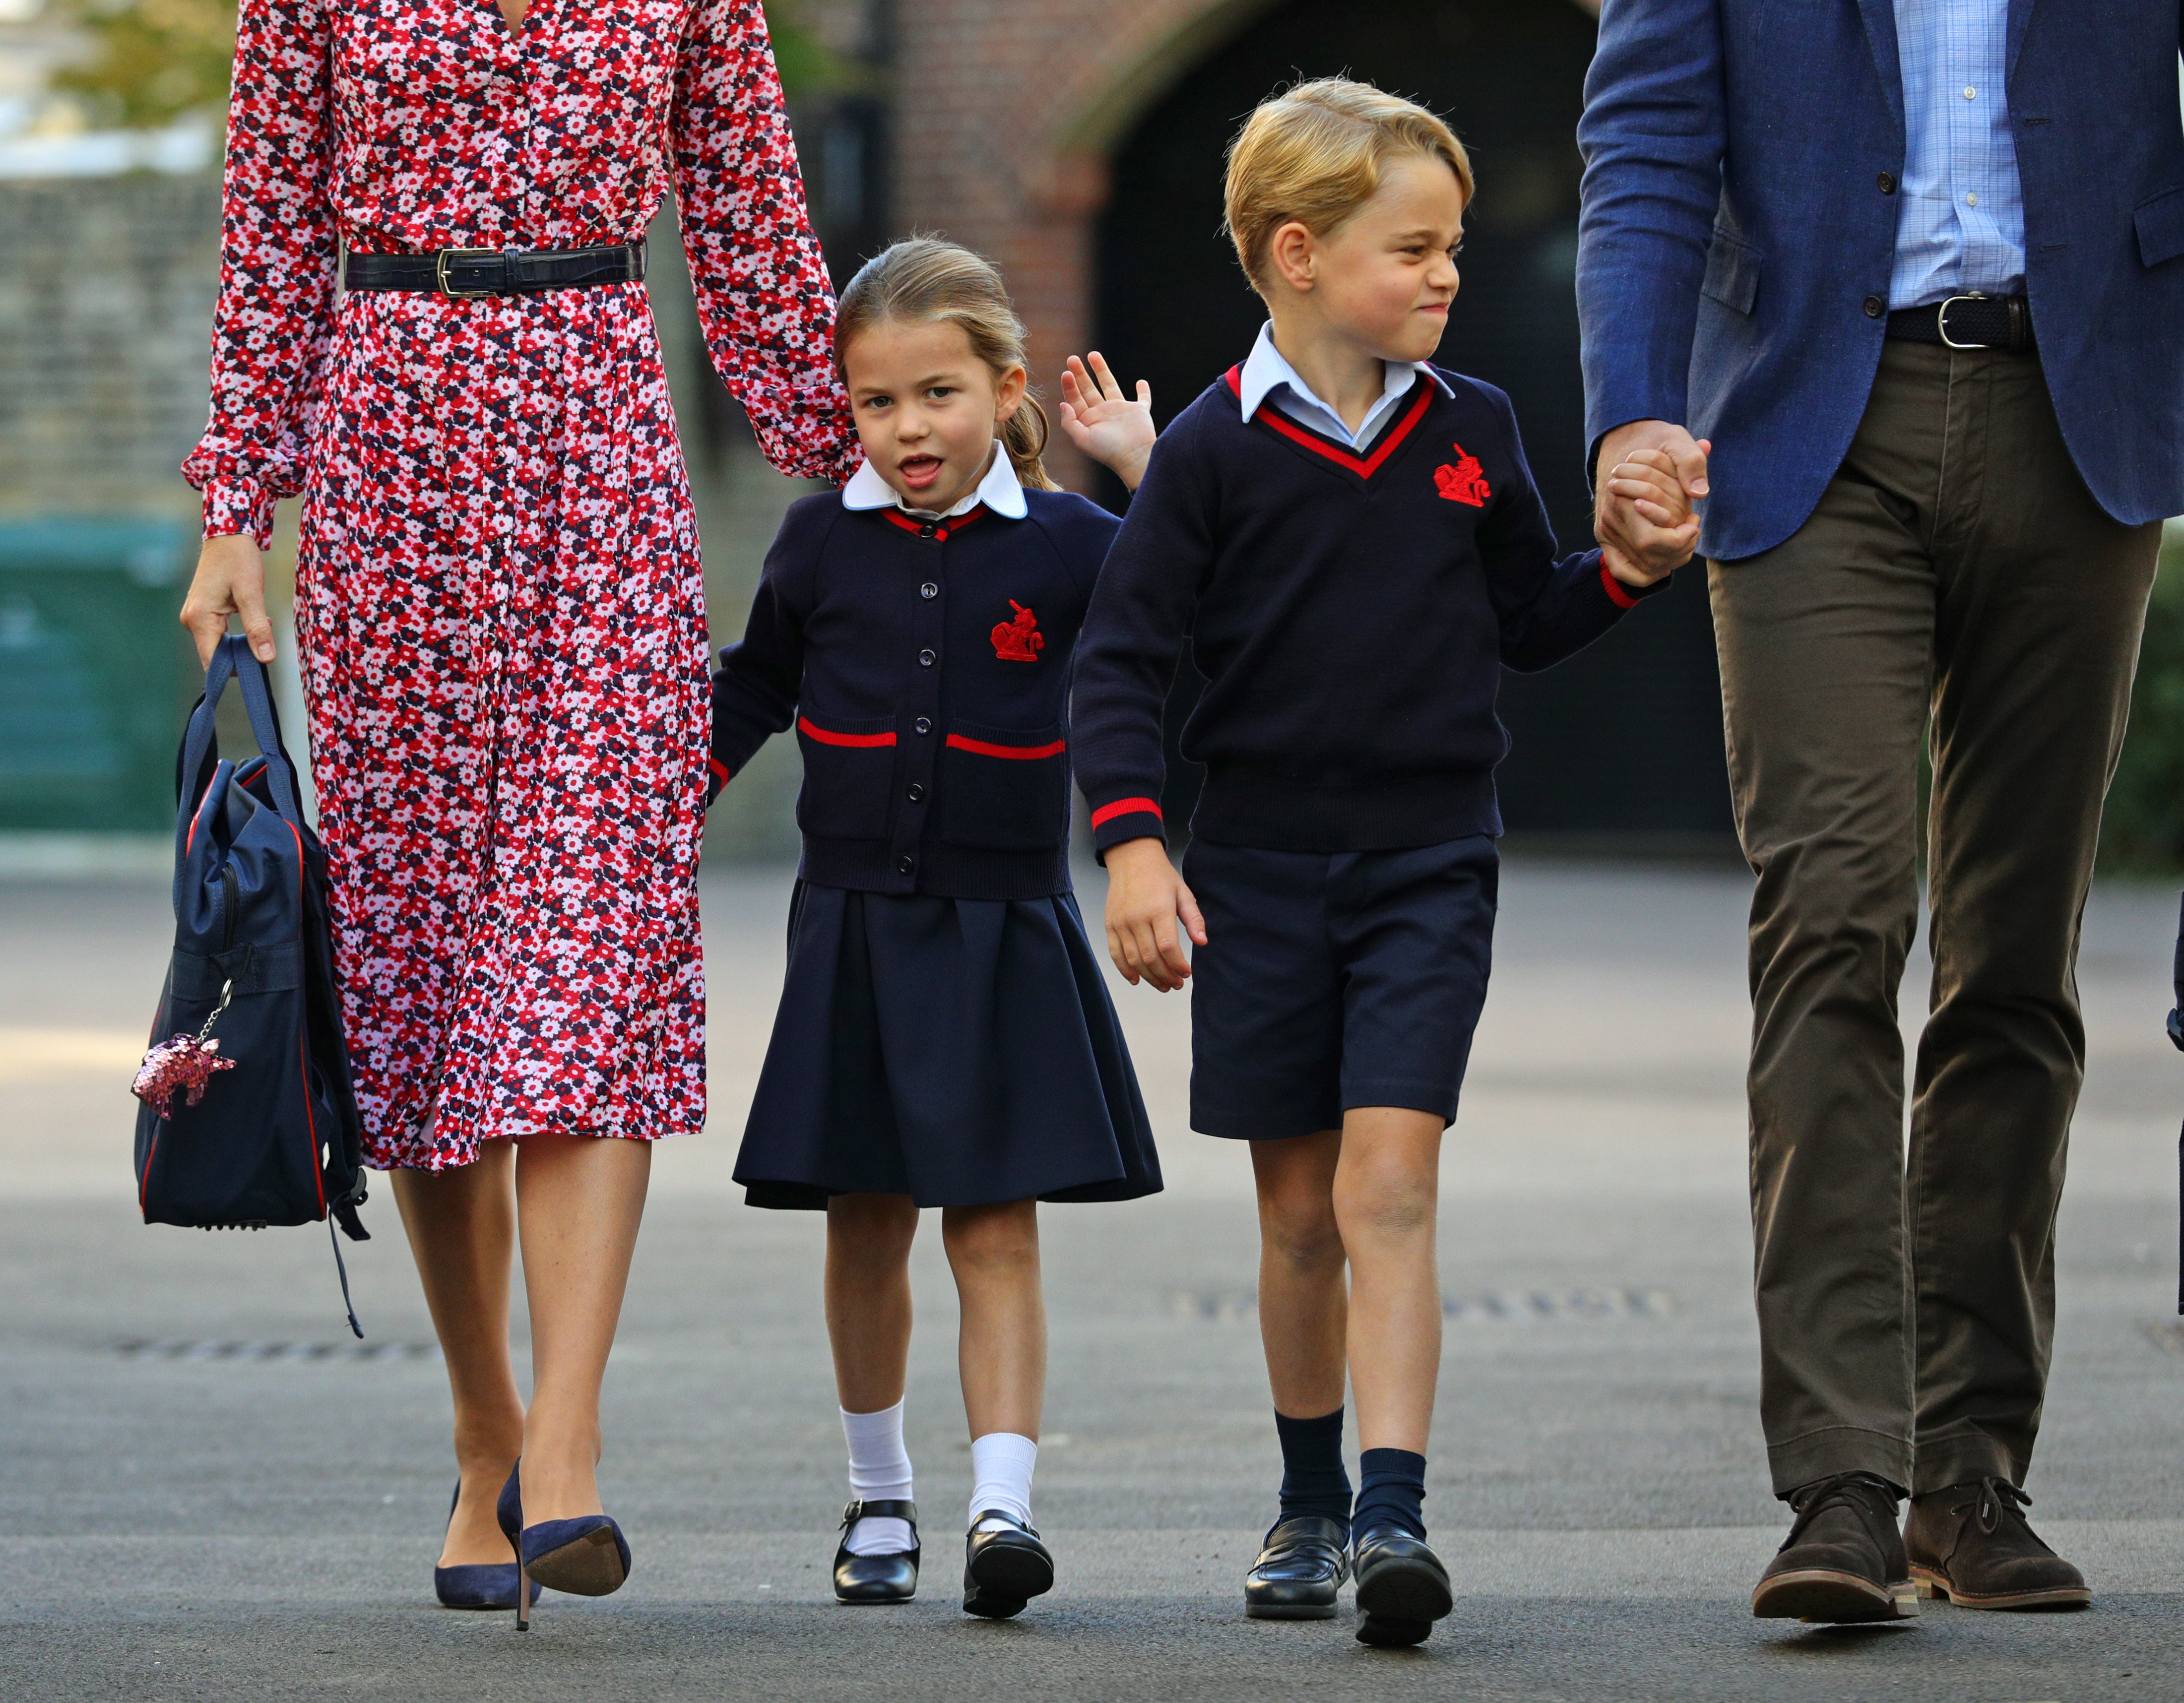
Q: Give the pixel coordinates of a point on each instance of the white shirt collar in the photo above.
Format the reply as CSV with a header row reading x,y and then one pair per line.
x,y
1268,369
1000,490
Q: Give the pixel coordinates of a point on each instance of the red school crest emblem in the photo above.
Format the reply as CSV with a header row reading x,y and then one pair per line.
x,y
1019,640
1464,482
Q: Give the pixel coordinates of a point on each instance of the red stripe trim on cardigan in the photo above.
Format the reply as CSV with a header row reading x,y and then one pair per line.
x,y
1617,593
1126,807
1021,753
719,770
1363,467
862,741
941,529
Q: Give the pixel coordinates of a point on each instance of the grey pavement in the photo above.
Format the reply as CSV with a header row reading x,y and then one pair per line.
x,y
206,1493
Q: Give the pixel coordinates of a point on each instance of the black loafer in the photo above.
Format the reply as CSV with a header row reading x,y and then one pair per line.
x,y
876,1578
1298,1573
1402,1588
1003,1570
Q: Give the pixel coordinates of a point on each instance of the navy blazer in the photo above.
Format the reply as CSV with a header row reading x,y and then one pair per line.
x,y
1736,238
925,666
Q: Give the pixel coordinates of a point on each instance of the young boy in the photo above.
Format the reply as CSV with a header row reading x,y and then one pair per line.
x,y
1354,542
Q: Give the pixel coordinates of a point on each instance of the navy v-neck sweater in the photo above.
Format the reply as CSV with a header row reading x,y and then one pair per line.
x,y
1351,611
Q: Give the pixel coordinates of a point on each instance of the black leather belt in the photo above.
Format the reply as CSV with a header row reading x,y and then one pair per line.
x,y
498,272
1968,322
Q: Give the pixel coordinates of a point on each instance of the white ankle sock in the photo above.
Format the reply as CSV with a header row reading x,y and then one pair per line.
x,y
879,1471
1001,1465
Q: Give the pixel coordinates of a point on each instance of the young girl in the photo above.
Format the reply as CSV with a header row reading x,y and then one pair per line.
x,y
945,1036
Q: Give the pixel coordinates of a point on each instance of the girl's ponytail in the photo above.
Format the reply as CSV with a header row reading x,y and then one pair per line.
x,y
924,279
1024,437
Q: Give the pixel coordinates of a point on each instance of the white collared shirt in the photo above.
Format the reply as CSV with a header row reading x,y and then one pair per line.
x,y
1267,373
1000,490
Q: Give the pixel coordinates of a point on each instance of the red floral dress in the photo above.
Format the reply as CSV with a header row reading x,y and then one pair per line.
x,y
499,603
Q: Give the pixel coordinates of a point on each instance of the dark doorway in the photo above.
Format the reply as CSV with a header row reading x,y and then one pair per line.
x,y
1622,744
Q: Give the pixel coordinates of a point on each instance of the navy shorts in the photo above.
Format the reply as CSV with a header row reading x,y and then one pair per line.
x,y
1331,980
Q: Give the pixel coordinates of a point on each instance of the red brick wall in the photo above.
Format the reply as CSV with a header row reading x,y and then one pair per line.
x,y
1004,112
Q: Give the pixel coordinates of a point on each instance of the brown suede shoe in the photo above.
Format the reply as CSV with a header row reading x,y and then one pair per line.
x,y
1843,1560
1971,1545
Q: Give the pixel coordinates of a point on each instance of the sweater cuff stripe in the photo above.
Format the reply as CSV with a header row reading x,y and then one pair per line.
x,y
719,770
1125,807
1618,593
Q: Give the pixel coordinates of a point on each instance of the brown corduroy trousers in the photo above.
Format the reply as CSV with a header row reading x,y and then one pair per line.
x,y
1957,577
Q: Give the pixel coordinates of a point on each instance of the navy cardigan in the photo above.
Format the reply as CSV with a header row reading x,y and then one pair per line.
x,y
1352,612
925,666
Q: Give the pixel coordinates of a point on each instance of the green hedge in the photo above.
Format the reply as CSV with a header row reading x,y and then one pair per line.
x,y
2143,831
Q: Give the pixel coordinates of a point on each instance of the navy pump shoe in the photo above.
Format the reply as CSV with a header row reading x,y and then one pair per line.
x,y
585,1556
485,1585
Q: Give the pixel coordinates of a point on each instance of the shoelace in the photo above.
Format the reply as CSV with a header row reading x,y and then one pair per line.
x,y
1996,1499
1817,1498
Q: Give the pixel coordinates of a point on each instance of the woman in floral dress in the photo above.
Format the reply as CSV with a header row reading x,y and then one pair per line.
x,y
500,611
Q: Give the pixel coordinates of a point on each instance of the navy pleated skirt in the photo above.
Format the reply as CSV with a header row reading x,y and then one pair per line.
x,y
961,1051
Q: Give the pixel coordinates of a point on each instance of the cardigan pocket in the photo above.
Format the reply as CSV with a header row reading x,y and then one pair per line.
x,y
1005,788
849,777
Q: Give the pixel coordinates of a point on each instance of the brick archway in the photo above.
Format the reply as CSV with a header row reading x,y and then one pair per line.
x,y
1006,112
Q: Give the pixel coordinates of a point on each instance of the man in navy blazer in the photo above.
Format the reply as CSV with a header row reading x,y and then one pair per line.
x,y
1915,268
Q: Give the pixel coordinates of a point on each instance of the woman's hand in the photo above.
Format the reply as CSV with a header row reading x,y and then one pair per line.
x,y
1105,424
1145,897
230,580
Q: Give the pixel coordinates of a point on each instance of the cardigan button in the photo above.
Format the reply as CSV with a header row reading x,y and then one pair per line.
x,y
923,724
905,865
926,531
916,793
926,658
929,590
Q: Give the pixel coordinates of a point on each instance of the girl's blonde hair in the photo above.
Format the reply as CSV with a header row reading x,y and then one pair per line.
x,y
1315,153
925,280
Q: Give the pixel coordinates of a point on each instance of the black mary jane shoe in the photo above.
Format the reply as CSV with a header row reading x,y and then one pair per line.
x,y
1402,1588
1299,1571
1003,1570
876,1578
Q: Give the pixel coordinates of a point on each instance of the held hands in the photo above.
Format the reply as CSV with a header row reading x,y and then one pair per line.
x,y
230,580
1643,519
1105,424
1145,899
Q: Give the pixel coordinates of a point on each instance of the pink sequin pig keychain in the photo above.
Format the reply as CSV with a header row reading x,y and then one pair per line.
x,y
183,1064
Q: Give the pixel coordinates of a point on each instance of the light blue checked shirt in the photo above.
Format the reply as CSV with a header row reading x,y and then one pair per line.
x,y
1962,224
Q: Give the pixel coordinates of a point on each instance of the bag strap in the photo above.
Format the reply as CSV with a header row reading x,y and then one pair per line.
x,y
231,659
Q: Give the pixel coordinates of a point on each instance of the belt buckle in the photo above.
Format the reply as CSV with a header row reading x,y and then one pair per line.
x,y
1941,318
441,272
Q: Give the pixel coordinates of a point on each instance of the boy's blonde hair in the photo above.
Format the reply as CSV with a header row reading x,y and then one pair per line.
x,y
925,279
1315,153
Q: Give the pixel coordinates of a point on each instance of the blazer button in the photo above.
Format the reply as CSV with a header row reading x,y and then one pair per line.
x,y
926,658
929,590
916,793
905,865
1887,181
923,724
1875,307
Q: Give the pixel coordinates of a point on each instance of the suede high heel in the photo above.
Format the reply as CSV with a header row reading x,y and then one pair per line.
x,y
585,1556
483,1584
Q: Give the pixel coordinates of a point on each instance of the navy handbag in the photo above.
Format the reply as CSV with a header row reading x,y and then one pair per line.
x,y
249,1116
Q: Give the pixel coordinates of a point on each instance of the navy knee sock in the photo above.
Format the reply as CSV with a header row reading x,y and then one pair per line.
x,y
1391,1490
1313,1479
